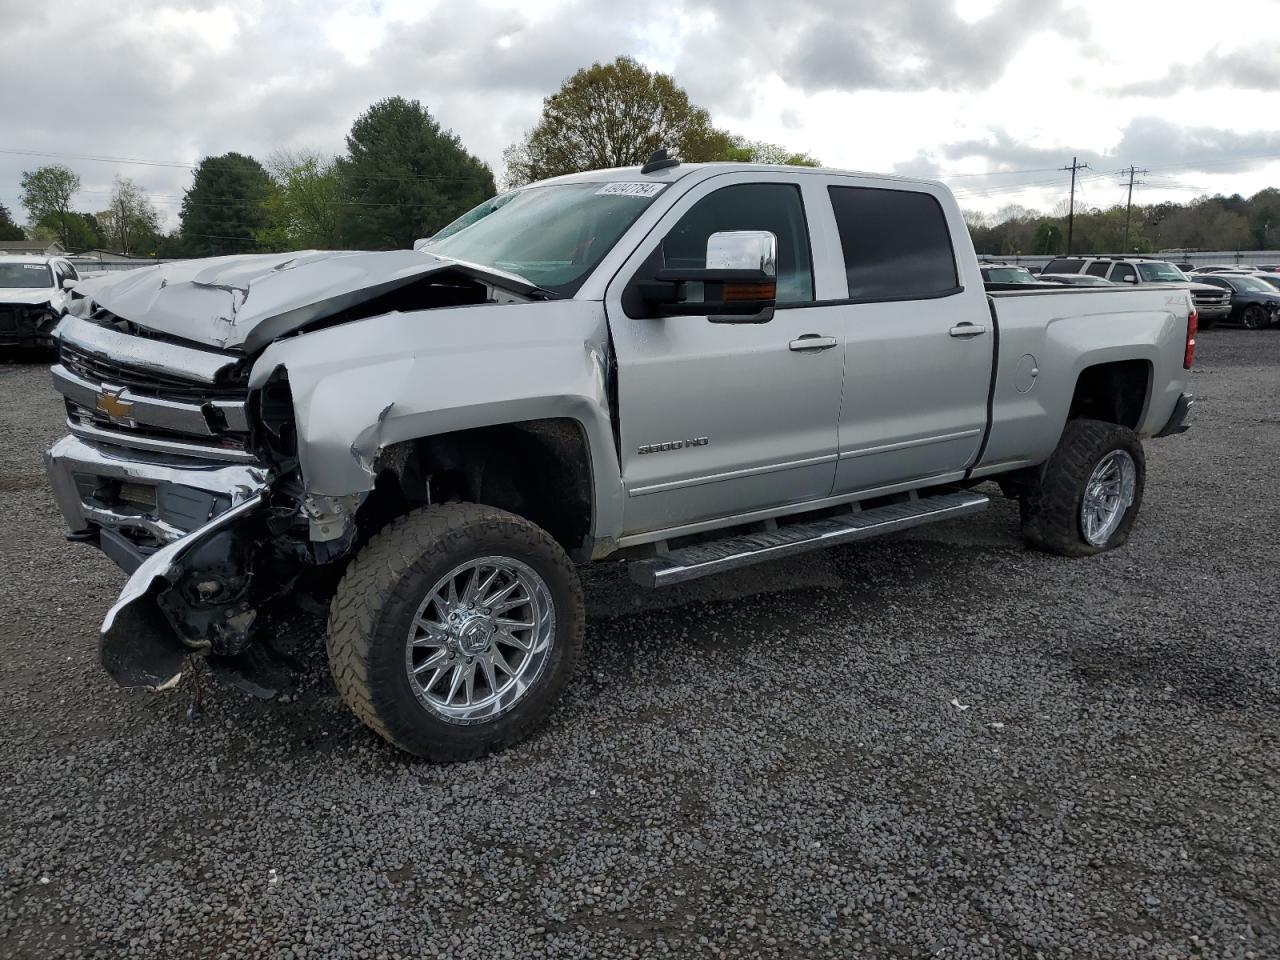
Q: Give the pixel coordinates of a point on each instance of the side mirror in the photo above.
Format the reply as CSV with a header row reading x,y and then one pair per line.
x,y
739,283
69,284
1130,279
420,243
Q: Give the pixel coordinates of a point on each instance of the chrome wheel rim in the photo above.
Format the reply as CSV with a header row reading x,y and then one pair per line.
x,y
1108,494
480,640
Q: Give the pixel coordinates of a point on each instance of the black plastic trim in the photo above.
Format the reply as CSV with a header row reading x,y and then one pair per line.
x,y
1177,420
991,390
853,301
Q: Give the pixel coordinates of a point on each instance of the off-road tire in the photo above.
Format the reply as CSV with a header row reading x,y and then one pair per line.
x,y
1051,502
380,593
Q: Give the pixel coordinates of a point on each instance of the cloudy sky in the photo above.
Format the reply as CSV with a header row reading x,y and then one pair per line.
x,y
990,95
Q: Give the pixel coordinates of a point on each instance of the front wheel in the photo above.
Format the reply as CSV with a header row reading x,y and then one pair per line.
x,y
1255,318
455,630
1086,497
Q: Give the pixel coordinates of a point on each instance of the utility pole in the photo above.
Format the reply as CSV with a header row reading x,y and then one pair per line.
x,y
1071,210
1128,210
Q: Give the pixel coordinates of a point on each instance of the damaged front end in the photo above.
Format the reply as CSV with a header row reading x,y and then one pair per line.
x,y
186,471
192,596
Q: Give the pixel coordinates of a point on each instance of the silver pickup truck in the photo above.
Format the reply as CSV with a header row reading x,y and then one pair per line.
x,y
686,367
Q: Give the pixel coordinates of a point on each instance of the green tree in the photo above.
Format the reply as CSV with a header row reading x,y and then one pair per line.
x,y
613,115
304,209
47,193
405,177
224,208
8,229
1264,218
742,150
75,231
130,224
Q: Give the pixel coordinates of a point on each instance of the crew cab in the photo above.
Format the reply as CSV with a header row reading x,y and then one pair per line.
x,y
683,367
34,294
1211,305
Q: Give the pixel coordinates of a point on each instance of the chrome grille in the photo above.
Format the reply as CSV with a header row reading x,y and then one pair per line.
x,y
104,369
152,395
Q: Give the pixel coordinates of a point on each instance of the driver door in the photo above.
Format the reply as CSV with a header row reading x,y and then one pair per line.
x,y
721,419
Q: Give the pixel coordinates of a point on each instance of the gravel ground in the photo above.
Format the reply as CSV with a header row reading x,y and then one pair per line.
x,y
770,763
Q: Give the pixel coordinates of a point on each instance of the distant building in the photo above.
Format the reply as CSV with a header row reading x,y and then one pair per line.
x,y
32,248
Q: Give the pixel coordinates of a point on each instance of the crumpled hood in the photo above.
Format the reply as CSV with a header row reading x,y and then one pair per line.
x,y
26,294
246,302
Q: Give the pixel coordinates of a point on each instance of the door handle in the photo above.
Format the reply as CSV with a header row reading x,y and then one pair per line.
x,y
812,341
964,331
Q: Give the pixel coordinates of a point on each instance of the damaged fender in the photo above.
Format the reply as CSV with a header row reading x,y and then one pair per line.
x,y
137,645
360,388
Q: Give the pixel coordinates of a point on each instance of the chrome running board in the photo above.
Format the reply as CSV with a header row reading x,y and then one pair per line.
x,y
699,560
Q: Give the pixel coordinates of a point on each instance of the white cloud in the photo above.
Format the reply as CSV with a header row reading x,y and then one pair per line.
x,y
858,83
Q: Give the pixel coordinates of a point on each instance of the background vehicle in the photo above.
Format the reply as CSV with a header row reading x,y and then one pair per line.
x,y
1270,278
1005,273
1212,304
1076,279
33,298
1254,302
429,438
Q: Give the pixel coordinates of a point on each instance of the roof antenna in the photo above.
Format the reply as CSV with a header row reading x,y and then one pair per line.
x,y
660,160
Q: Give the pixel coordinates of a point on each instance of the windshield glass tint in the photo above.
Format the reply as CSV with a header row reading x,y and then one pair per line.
x,y
1009,275
552,236
1252,284
25,275
1161,273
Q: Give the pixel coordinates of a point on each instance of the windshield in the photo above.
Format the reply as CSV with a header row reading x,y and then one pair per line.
x,y
1161,273
1251,284
552,236
1009,275
25,275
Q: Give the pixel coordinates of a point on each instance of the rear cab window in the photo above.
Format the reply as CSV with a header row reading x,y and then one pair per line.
x,y
1063,265
895,243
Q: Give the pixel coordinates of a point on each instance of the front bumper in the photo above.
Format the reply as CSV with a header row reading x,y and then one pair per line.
x,y
1213,312
133,504
23,325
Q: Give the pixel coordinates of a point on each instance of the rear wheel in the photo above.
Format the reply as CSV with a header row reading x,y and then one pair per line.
x,y
1087,495
1254,317
455,630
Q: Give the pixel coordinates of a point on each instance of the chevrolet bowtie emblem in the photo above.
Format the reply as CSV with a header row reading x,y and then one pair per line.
x,y
109,402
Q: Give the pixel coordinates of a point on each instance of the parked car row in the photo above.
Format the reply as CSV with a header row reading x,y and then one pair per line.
x,y
1246,295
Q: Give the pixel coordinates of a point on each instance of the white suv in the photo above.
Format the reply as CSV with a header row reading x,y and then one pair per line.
x,y
34,295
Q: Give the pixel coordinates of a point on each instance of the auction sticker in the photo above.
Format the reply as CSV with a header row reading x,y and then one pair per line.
x,y
33,266
624,189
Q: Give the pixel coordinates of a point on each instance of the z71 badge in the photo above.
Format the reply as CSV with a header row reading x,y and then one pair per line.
x,y
673,445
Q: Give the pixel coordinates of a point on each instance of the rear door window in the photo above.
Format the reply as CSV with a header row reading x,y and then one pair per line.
x,y
1063,265
1098,268
896,244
